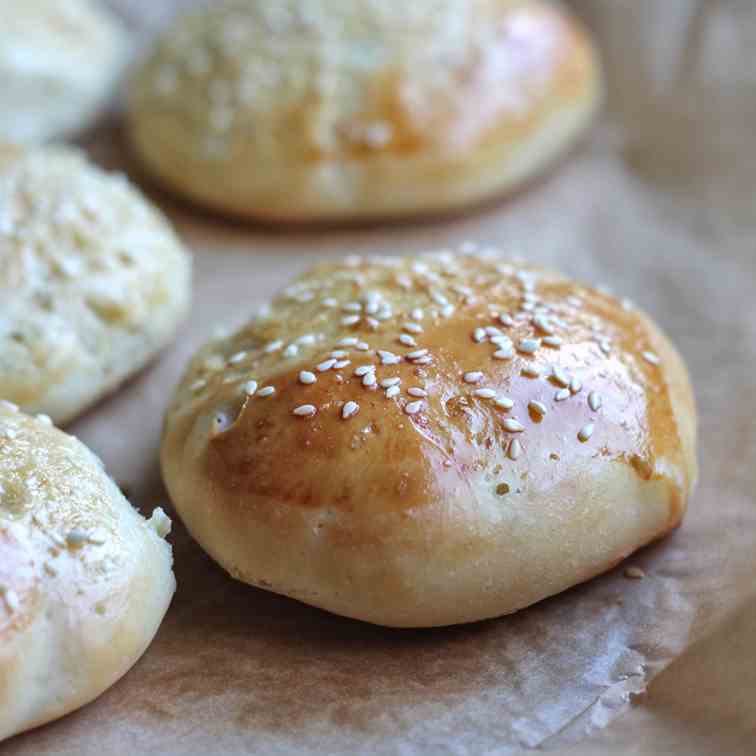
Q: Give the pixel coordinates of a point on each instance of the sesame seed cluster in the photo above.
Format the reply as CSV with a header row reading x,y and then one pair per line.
x,y
92,279
244,68
386,326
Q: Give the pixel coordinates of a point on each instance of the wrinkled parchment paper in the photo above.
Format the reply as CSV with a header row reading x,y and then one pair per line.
x,y
658,203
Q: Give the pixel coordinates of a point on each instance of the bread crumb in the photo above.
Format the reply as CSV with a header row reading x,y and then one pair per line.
x,y
160,522
634,573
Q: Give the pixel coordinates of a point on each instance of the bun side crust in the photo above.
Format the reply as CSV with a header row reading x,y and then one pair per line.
x,y
371,110
84,579
478,487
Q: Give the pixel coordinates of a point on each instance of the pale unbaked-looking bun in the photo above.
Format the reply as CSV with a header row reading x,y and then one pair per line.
x,y
431,440
59,62
357,109
93,281
84,579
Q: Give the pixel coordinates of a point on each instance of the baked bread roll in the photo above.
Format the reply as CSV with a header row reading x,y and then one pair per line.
x,y
431,440
302,110
93,281
59,62
84,579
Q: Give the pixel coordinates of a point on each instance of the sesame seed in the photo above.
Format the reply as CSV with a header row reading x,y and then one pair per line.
x,y
350,409
417,314
478,335
267,391
506,320
447,310
605,346
512,425
364,370
329,302
392,391
484,393
506,353
561,395
291,351
348,341
407,340
305,410
494,333
416,354
575,301
338,354
385,313
552,341
627,304
342,364
504,403
537,407
515,449
11,599
413,327
198,385
362,346
543,324
404,281
585,432
325,365
235,359
273,346
372,324
388,382
250,387
44,419
559,376
371,308
501,341
352,307
531,371
417,391
388,358
76,538
306,377
474,376
423,360
308,338
529,346
369,380
575,386
350,320
412,408
220,422
439,298
651,358
595,401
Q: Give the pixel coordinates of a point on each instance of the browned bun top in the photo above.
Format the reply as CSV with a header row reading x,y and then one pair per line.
x,y
502,366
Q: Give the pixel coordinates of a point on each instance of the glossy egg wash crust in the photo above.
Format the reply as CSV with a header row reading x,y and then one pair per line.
x,y
85,580
430,440
361,109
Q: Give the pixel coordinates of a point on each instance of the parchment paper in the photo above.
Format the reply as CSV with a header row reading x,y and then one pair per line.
x,y
658,203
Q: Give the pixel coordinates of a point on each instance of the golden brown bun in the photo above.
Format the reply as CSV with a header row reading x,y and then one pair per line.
x,y
93,281
354,109
59,63
84,579
421,511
